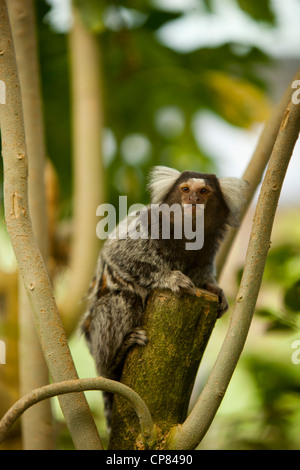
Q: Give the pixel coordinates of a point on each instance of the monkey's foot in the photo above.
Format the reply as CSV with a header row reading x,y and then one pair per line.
x,y
179,283
136,336
223,304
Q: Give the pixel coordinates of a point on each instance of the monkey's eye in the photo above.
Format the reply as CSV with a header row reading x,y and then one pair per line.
x,y
185,189
204,191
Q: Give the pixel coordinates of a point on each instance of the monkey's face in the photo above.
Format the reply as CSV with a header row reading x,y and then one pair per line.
x,y
194,191
198,191
221,198
194,195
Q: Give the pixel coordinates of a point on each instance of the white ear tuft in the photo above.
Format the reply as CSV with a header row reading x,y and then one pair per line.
x,y
234,192
161,179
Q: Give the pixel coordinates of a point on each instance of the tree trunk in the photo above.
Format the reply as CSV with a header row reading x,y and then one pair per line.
x,y
36,280
37,426
163,372
88,180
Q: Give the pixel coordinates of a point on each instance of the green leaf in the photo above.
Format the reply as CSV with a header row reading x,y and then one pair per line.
x,y
292,297
157,18
277,321
259,10
91,13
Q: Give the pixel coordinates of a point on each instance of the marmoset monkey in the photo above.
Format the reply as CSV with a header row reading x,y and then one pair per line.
x,y
129,268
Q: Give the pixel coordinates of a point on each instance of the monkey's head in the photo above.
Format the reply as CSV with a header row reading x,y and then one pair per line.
x,y
222,198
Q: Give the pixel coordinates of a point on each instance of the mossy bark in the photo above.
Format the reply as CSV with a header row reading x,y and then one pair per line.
x,y
163,372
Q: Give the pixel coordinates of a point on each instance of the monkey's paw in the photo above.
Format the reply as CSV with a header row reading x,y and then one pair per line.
x,y
179,282
138,336
223,304
135,336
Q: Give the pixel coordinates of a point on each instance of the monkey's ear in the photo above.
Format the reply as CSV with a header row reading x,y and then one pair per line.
x,y
161,179
234,192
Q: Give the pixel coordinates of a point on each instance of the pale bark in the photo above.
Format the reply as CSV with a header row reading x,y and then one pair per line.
x,y
88,175
48,324
189,435
37,429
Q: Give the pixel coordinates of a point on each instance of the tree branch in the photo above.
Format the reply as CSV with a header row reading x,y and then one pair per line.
x,y
189,435
88,174
256,167
79,385
33,271
37,429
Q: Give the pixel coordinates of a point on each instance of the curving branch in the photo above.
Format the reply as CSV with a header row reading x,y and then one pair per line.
x,y
32,268
79,385
256,167
191,432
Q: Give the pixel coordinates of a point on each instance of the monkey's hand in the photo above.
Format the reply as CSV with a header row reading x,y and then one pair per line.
x,y
178,282
215,289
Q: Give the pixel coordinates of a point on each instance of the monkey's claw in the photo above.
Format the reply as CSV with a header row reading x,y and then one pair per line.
x,y
138,336
179,282
223,304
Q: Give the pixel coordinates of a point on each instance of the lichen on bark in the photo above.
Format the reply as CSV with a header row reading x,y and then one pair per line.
x,y
163,372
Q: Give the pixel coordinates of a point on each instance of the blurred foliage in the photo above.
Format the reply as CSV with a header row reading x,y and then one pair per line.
x,y
142,78
278,388
272,419
55,83
260,11
282,273
151,95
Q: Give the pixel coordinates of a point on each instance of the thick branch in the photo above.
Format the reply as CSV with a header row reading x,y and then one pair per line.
x,y
163,372
194,428
257,165
80,385
37,429
49,328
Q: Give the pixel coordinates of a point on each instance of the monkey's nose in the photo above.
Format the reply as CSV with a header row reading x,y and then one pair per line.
x,y
194,198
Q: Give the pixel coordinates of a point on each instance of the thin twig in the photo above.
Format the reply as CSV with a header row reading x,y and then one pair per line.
x,y
79,385
191,432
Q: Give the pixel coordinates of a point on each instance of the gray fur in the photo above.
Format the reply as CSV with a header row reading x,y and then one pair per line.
x,y
128,270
